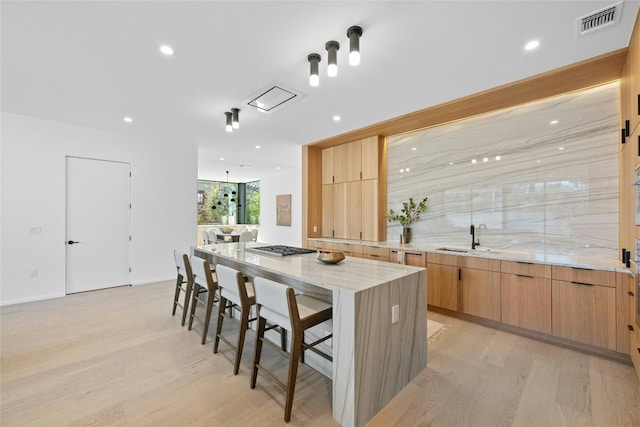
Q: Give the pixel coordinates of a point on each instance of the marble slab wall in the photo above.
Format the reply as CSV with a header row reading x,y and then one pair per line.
x,y
543,175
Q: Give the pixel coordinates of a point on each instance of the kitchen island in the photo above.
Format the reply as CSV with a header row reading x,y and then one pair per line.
x,y
373,357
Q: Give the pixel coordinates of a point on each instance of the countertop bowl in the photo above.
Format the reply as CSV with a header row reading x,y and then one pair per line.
x,y
330,257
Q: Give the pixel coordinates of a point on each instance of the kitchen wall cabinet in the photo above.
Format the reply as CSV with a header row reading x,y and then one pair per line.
x,y
526,295
353,200
442,281
630,82
584,305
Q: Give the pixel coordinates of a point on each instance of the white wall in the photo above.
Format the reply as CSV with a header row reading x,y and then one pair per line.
x,y
286,183
33,151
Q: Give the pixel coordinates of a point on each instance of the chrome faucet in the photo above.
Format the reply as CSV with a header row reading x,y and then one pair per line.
x,y
473,237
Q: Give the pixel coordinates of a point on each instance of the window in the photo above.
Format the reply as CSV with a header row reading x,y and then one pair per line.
x,y
228,202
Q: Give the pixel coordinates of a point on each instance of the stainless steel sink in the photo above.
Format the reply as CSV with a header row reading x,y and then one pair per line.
x,y
464,251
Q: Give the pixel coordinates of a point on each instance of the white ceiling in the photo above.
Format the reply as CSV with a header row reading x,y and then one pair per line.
x,y
93,63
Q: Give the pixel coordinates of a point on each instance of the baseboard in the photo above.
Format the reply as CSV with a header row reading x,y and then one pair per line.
x,y
31,299
160,279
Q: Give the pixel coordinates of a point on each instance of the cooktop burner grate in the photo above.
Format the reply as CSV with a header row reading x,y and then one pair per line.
x,y
282,250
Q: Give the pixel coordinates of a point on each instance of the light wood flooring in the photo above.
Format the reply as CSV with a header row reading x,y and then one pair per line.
x,y
118,357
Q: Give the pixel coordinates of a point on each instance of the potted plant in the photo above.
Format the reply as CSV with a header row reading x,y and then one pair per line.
x,y
408,214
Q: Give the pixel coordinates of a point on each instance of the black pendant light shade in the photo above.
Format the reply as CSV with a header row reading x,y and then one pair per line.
x,y
332,50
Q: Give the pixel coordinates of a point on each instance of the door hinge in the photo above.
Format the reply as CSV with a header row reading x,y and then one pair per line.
x,y
360,174
129,238
361,235
130,175
129,269
333,233
129,205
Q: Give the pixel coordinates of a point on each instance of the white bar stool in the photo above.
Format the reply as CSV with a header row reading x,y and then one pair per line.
x,y
278,304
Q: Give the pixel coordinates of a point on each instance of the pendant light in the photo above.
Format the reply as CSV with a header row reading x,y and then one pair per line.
x,y
354,33
332,49
314,78
229,126
235,119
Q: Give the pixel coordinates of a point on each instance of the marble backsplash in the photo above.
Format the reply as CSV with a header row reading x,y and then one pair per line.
x,y
543,175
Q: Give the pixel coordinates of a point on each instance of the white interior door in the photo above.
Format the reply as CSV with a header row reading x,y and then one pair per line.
x,y
97,224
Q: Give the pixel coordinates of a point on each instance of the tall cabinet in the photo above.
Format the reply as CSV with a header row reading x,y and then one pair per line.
x,y
354,190
629,185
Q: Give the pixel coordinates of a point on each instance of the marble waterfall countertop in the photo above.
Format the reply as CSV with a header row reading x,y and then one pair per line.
x,y
352,274
539,256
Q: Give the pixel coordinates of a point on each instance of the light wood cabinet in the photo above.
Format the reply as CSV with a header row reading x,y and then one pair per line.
x,y
417,259
584,313
370,157
327,166
526,295
630,82
480,293
623,322
353,206
327,211
442,286
376,253
526,302
587,276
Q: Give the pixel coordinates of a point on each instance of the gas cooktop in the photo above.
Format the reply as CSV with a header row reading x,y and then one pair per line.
x,y
282,250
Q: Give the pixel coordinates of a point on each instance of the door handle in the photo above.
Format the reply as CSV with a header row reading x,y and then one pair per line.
x,y
71,242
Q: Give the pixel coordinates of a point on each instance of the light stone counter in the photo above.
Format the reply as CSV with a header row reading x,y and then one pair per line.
x,y
373,358
539,257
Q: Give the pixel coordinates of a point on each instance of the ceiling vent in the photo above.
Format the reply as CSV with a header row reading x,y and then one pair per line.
x,y
599,19
273,97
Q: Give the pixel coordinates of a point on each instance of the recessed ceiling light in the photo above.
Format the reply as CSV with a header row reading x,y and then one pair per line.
x,y
128,119
473,161
221,158
167,50
553,122
336,118
401,170
532,45
498,157
413,149
257,147
486,159
537,161
408,170
278,167
560,148
450,163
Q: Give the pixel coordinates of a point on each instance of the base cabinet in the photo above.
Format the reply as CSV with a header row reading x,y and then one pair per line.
x,y
526,302
442,286
480,293
584,313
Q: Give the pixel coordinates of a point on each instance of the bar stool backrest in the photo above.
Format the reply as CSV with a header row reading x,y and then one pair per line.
x,y
183,265
229,281
273,301
202,273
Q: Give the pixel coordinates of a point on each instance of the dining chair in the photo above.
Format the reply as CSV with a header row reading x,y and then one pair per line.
x,y
205,237
246,236
204,280
254,233
279,305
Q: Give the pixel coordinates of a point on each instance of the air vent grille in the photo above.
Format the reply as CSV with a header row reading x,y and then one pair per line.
x,y
598,20
272,97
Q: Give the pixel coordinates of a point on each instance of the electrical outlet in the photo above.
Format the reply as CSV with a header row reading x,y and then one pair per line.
x,y
315,228
33,274
35,230
395,313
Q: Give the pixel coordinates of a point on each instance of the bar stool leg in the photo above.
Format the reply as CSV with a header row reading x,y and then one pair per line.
x,y
177,294
194,302
296,349
244,325
221,308
258,350
187,296
207,318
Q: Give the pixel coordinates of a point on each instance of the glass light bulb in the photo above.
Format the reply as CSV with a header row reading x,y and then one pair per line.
x,y
354,58
332,70
314,80
229,128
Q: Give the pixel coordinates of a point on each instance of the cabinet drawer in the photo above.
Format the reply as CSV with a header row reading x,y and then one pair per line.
x,y
418,259
348,248
526,269
586,276
375,257
442,259
479,263
375,251
314,244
